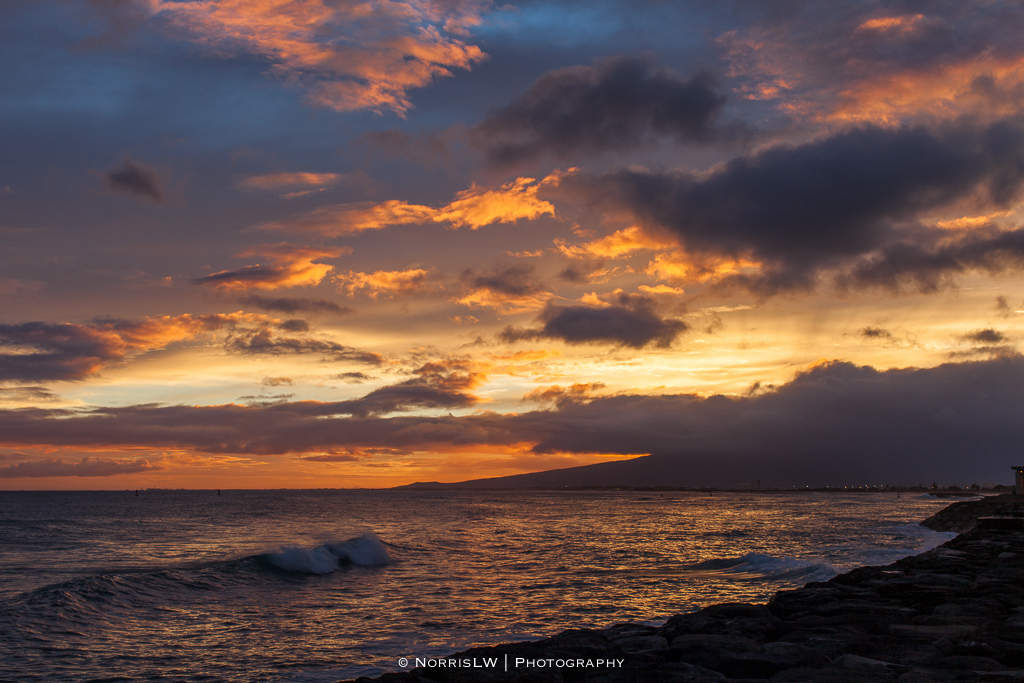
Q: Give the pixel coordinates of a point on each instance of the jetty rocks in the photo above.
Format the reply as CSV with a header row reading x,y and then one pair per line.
x,y
962,517
955,613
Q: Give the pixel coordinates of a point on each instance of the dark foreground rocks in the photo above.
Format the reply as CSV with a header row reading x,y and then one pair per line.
x,y
963,516
955,613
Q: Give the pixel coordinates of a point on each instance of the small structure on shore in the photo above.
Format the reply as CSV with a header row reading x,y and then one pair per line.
x,y
1018,480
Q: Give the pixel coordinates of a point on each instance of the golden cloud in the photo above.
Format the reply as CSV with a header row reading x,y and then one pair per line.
x,y
390,283
473,208
677,266
619,244
290,267
350,55
902,23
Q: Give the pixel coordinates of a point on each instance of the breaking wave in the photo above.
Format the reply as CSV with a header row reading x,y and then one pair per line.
x,y
758,567
366,550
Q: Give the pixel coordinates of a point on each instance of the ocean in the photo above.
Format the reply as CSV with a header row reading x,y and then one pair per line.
x,y
327,585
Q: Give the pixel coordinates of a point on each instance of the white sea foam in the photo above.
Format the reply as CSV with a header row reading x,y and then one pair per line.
x,y
769,567
366,550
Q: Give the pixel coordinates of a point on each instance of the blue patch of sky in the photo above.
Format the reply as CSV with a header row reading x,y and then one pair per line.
x,y
618,26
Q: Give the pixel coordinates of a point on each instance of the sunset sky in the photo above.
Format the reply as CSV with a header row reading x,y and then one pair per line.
x,y
332,243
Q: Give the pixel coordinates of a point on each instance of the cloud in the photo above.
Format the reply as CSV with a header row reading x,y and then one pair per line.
x,y
801,210
620,244
390,283
507,289
876,333
12,286
275,181
354,377
292,306
930,267
616,104
332,457
265,341
561,396
438,384
633,323
985,336
131,177
40,351
833,423
472,208
88,467
888,65
291,267
27,395
349,56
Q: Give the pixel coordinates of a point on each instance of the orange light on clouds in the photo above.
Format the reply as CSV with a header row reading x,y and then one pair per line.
x,y
273,181
352,55
942,92
680,267
903,23
390,283
290,267
473,208
619,244
514,201
504,302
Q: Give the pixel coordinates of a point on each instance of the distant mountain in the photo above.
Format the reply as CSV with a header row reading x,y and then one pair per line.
x,y
647,471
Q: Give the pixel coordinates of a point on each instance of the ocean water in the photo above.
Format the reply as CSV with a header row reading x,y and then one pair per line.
x,y
330,585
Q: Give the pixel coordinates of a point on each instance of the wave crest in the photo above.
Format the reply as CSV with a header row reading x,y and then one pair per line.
x,y
768,567
365,550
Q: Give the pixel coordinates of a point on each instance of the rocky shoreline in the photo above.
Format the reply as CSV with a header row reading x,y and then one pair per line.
x,y
955,613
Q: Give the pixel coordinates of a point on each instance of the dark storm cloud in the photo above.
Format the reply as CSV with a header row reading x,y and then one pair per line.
x,y
136,179
616,104
88,467
930,267
509,280
332,458
986,336
265,341
40,352
292,306
354,377
406,396
801,209
835,423
875,333
633,323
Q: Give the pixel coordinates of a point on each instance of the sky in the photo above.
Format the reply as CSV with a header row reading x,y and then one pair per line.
x,y
333,243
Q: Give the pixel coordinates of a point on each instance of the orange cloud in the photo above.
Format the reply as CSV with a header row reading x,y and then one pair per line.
x,y
273,181
619,244
679,267
473,208
514,201
390,283
38,351
506,303
350,55
902,23
941,92
971,222
561,396
291,267
862,79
